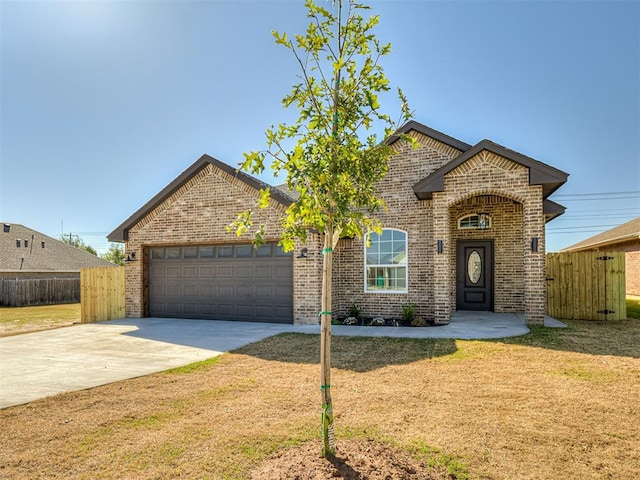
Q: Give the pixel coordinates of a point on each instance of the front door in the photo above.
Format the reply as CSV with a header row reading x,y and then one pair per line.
x,y
474,275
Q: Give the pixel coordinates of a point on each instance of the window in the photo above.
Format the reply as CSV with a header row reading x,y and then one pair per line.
x,y
263,251
477,221
386,262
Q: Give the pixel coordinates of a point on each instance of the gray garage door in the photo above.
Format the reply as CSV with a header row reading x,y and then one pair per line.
x,y
221,282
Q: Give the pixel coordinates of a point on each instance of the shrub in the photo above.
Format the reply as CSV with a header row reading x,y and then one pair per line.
x,y
408,313
418,322
354,310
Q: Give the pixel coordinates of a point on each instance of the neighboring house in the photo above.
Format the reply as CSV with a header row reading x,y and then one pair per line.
x,y
36,269
464,229
623,238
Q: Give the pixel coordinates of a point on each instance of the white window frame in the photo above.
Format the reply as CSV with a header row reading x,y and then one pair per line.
x,y
391,265
478,225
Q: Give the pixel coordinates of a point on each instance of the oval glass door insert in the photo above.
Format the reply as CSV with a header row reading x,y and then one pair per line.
x,y
474,267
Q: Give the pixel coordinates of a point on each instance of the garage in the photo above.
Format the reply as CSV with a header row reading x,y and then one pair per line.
x,y
221,282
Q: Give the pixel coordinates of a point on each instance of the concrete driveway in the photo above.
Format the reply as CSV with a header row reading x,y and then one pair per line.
x,y
38,365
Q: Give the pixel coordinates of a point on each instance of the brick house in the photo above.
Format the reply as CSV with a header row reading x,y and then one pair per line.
x,y
464,230
623,238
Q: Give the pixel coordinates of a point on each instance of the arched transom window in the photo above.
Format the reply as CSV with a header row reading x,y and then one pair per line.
x,y
476,221
386,262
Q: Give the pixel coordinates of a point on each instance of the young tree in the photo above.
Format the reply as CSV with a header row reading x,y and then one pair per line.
x,y
115,254
335,158
78,242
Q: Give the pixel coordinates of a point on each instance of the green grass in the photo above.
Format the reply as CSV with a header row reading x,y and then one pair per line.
x,y
194,367
633,307
14,320
67,311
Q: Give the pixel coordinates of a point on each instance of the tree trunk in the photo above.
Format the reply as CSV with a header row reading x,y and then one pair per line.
x,y
328,440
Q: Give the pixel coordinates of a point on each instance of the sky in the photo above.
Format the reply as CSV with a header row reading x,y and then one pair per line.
x,y
103,103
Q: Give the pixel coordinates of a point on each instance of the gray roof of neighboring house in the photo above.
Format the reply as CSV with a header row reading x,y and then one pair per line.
x,y
25,249
622,233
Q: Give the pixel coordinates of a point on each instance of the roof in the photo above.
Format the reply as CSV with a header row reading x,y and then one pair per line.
x,y
551,210
622,233
25,249
539,173
429,132
121,233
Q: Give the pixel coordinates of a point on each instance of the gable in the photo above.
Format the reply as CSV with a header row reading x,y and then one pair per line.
x,y
539,173
184,181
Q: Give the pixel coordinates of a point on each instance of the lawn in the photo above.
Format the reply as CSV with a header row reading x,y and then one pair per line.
x,y
14,320
553,404
633,307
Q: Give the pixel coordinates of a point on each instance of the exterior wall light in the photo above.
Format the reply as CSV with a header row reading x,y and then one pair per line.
x,y
534,244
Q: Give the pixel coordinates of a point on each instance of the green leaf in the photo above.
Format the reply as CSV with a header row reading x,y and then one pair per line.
x,y
264,198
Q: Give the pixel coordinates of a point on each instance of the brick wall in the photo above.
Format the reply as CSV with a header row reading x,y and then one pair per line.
x,y
198,213
404,212
487,174
487,183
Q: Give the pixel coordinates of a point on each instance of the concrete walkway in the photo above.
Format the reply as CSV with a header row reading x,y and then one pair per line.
x,y
38,365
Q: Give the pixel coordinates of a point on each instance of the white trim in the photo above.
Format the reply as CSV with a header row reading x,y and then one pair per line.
x,y
404,265
474,227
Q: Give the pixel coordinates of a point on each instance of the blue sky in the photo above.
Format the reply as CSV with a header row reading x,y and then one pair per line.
x,y
103,103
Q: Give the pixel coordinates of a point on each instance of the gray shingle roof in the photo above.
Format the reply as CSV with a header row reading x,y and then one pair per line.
x,y
621,233
25,249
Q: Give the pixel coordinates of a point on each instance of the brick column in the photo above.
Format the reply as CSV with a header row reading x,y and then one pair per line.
x,y
133,294
535,289
442,261
307,282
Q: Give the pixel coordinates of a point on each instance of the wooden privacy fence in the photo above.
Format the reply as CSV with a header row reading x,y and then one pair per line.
x,y
20,292
586,285
102,294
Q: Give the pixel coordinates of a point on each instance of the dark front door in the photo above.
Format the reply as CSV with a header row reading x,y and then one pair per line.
x,y
474,277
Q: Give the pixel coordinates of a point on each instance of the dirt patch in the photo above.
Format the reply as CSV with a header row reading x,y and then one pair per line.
x,y
354,460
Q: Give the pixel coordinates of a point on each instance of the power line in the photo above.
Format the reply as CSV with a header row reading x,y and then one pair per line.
x,y
579,228
571,216
598,194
